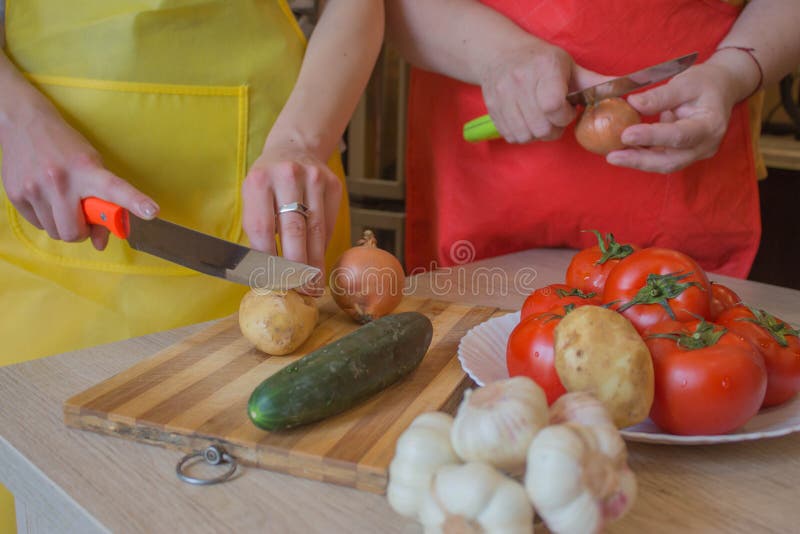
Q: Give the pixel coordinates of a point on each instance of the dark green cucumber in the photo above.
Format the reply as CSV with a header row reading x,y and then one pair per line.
x,y
339,375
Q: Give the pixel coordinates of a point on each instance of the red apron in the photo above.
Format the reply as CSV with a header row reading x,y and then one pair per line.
x,y
470,201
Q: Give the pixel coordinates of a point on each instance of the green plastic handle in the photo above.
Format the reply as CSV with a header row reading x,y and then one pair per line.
x,y
480,129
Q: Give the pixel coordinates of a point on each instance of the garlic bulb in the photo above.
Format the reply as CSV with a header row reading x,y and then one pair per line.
x,y
496,423
475,498
422,449
585,409
573,484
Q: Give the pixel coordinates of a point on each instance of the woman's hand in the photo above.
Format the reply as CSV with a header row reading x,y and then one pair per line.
x,y
48,167
694,109
281,176
525,92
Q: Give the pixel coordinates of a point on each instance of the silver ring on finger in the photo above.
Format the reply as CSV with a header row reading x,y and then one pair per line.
x,y
294,207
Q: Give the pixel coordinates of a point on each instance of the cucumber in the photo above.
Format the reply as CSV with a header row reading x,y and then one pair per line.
x,y
339,375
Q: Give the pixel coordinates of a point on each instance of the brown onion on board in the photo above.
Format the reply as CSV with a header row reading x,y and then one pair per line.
x,y
367,282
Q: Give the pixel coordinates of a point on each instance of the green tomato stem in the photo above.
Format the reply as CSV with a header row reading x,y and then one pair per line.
x,y
776,328
610,248
659,289
704,336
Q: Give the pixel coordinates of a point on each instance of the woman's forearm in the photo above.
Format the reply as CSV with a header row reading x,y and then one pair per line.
x,y
458,38
769,27
340,56
19,100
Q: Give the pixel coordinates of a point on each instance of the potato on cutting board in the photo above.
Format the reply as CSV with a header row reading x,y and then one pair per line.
x,y
277,322
599,351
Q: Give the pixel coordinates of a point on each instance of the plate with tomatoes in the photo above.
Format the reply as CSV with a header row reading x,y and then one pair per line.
x,y
723,371
482,353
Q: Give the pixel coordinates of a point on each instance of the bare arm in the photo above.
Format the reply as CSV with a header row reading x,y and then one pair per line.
x,y
337,65
695,107
341,54
770,27
524,79
458,38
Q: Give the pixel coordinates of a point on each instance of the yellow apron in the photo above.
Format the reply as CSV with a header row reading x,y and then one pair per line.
x,y
178,97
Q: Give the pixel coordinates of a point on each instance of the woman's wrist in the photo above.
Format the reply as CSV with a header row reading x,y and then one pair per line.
x,y
511,45
282,140
743,70
21,101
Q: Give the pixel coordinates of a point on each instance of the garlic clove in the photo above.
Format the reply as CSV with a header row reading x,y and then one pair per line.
x,y
572,483
585,409
508,512
496,423
476,498
419,452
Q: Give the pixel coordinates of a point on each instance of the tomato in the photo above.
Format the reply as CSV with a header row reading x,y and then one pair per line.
x,y
722,298
589,268
707,379
530,352
778,344
548,297
653,285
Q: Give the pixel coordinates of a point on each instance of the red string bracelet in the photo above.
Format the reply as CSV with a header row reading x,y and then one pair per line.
x,y
749,52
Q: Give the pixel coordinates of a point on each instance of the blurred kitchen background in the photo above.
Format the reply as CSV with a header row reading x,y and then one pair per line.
x,y
375,141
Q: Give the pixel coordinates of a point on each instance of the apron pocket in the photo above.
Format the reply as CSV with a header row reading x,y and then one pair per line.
x,y
184,146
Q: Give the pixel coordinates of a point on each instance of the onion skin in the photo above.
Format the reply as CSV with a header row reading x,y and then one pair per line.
x,y
367,282
600,127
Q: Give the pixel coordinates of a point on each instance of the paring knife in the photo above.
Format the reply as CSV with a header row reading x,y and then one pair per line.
x,y
201,252
483,129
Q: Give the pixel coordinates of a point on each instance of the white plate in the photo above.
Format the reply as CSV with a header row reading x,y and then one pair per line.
x,y
482,353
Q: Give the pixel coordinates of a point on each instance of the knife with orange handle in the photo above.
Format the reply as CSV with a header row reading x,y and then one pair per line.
x,y
198,251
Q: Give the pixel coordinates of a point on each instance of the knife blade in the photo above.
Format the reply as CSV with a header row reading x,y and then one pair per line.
x,y
483,129
198,251
635,80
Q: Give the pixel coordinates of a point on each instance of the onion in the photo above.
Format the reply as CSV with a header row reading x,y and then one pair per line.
x,y
367,282
600,127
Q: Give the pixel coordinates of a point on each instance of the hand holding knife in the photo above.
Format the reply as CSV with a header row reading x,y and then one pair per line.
x,y
198,251
483,128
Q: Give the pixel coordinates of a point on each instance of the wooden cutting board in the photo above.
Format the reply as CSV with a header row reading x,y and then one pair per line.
x,y
194,394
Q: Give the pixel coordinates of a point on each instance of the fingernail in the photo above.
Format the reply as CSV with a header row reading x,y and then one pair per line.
x,y
148,209
615,158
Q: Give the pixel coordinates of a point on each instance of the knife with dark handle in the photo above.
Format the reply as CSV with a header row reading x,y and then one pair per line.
x,y
483,129
200,252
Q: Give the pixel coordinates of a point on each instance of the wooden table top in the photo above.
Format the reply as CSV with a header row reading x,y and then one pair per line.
x,y
80,481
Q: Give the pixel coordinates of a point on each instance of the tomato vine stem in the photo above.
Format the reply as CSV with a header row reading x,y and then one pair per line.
x,y
776,328
705,335
660,288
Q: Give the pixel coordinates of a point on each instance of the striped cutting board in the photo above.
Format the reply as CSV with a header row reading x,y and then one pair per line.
x,y
195,393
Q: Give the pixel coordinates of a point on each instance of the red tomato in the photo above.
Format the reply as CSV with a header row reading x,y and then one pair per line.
x,y
722,298
653,285
548,297
590,267
777,342
530,352
713,388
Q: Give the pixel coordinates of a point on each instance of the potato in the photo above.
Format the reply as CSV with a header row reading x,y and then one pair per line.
x,y
599,351
277,322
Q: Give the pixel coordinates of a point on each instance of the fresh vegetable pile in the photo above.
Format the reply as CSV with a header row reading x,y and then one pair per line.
x,y
645,332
